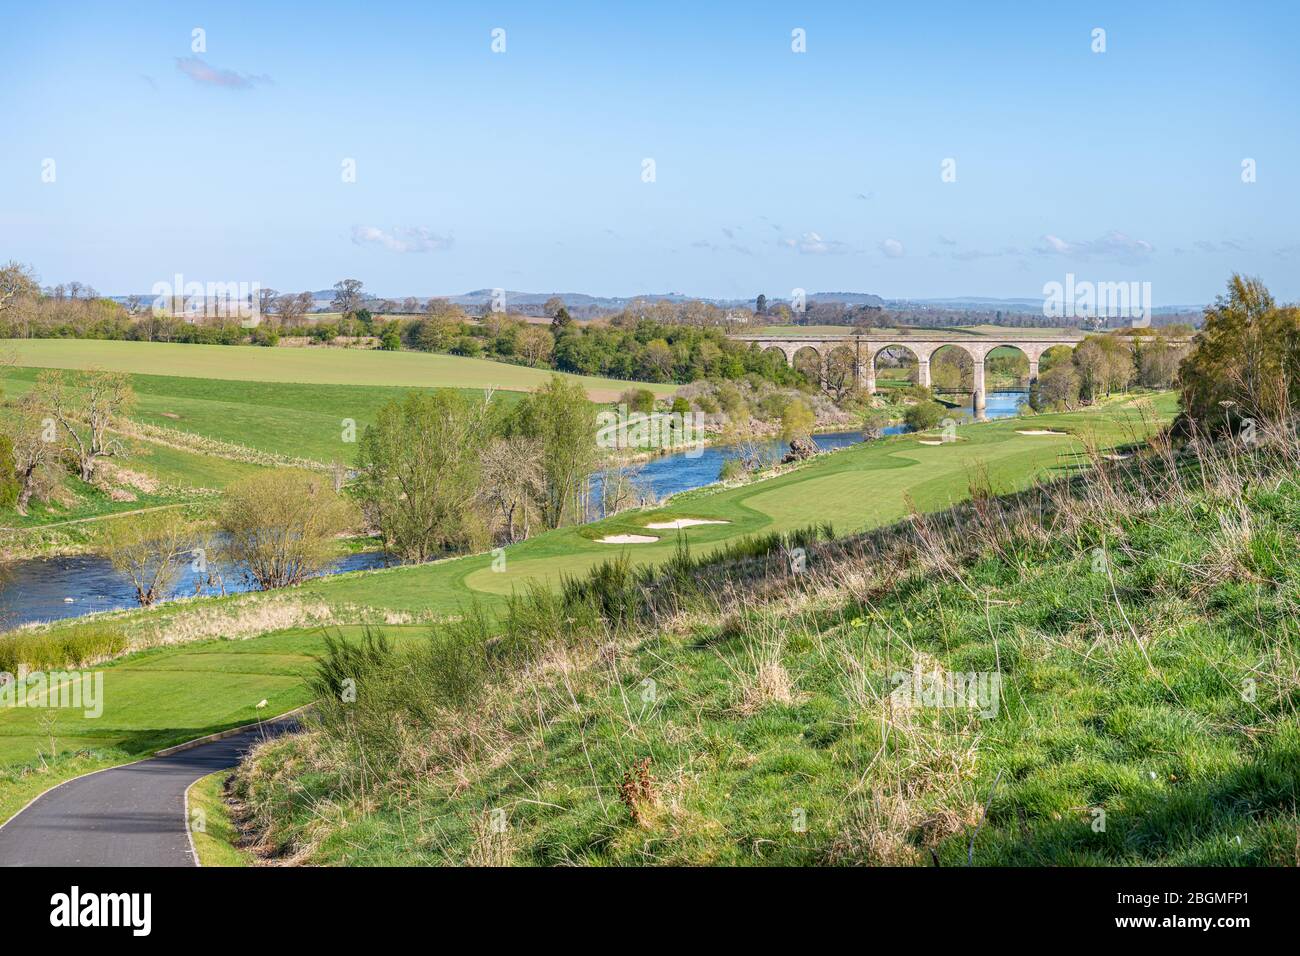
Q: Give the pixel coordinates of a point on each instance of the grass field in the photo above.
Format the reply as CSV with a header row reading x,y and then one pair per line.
x,y
301,421
167,694
306,366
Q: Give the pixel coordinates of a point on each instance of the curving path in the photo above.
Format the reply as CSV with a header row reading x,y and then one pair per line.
x,y
133,815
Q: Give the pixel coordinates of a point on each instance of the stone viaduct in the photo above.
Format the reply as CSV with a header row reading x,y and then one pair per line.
x,y
868,345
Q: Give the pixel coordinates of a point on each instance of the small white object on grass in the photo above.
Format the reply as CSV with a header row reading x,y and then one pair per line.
x,y
261,703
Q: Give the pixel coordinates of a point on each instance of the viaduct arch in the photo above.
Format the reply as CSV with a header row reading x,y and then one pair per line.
x,y
923,345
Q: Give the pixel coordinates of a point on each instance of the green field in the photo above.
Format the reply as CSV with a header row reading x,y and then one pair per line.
x,y
169,694
306,366
300,421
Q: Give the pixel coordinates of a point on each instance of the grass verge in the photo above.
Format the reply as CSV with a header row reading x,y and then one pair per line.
x,y
215,835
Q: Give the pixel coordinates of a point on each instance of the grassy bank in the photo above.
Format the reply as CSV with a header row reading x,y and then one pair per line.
x,y
1142,622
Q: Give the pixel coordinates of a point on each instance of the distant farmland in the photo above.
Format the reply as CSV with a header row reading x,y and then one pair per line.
x,y
307,366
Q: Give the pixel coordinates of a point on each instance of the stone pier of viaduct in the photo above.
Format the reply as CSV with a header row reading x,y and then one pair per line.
x,y
867,346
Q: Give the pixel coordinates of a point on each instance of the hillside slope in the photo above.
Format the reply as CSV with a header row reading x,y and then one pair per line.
x,y
1131,637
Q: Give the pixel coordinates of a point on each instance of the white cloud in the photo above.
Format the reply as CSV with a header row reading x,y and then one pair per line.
x,y
812,244
892,248
416,239
1113,246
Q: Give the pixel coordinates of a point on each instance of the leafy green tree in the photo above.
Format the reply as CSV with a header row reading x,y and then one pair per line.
x,y
419,477
1246,361
797,420
564,421
924,415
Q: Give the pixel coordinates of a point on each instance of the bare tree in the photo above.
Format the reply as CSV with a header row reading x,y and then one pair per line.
x,y
150,550
347,295
98,402
512,479
17,281
36,452
266,299
292,307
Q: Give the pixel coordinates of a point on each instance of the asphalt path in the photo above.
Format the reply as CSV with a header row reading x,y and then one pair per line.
x,y
132,815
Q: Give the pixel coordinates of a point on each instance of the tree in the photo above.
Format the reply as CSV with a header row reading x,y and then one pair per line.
x,y
797,420
535,345
760,304
564,421
35,451
561,322
98,402
420,468
513,481
8,473
281,525
924,415
874,423
17,282
1058,387
553,306
150,550
391,339
266,300
347,296
1104,363
638,400
1245,363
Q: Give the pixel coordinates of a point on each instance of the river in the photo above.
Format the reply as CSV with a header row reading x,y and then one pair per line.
x,y
43,589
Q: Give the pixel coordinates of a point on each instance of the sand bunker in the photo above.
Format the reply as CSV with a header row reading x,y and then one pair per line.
x,y
1038,431
1116,457
683,523
626,539
930,441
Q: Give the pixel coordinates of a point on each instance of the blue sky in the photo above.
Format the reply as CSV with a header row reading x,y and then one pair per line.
x,y
773,169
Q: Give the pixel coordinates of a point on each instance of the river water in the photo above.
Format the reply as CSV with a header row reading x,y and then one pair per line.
x,y
43,589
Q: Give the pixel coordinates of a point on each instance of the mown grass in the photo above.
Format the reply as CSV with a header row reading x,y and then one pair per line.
x,y
1144,623
159,697
280,418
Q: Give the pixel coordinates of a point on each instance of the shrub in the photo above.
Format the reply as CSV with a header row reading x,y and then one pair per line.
x,y
638,400
924,415
74,646
874,423
733,469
